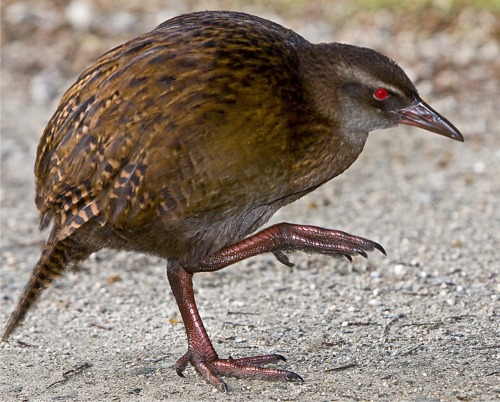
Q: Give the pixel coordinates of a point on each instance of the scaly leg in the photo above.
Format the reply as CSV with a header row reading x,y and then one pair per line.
x,y
201,354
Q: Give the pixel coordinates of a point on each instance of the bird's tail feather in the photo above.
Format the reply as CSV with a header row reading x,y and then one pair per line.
x,y
55,257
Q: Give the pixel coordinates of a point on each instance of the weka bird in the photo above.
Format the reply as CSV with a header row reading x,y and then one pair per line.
x,y
183,141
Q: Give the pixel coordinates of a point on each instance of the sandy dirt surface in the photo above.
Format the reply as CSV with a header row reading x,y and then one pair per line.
x,y
420,324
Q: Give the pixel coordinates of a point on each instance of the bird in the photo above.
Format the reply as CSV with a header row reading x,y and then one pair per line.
x,y
183,142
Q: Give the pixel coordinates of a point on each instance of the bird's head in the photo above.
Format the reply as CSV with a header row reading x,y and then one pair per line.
x,y
370,91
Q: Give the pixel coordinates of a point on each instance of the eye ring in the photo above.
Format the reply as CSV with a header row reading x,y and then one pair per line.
x,y
381,94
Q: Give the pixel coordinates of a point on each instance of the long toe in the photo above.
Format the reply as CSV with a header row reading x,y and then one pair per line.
x,y
228,368
258,360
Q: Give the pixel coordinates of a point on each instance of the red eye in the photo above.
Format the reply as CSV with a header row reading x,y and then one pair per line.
x,y
381,94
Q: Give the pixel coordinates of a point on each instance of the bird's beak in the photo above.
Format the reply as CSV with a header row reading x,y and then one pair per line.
x,y
420,114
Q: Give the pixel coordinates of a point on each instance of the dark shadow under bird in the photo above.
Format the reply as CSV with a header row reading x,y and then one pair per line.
x,y
186,140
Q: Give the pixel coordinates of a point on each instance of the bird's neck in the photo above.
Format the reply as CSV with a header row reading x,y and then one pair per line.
x,y
321,76
325,147
324,151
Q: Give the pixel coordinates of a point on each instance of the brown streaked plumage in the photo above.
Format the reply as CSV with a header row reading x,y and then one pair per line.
x,y
183,141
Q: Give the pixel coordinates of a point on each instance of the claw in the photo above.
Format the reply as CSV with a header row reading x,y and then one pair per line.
x,y
280,357
362,252
348,257
283,258
223,388
292,377
379,248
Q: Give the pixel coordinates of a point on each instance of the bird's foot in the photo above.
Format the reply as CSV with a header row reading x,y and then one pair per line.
x,y
247,367
286,237
313,239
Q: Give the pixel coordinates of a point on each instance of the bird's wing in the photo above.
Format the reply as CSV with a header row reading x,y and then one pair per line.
x,y
94,146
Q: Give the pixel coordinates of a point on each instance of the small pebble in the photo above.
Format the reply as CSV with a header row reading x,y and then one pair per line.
x,y
80,14
400,270
167,365
142,371
479,167
443,281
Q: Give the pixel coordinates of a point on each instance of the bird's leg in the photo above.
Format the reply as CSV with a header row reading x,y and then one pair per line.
x,y
201,354
285,237
276,239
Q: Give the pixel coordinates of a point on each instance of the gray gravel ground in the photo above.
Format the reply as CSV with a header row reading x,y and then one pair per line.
x,y
420,324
